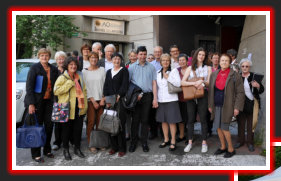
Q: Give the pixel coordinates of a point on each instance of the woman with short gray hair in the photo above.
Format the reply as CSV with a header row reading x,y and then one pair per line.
x,y
253,88
60,57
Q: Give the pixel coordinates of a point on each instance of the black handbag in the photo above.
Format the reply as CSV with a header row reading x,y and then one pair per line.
x,y
110,122
33,136
99,139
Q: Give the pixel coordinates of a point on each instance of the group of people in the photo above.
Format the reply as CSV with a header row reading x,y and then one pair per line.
x,y
89,83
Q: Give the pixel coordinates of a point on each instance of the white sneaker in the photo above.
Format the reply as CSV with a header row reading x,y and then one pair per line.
x,y
55,147
187,148
204,148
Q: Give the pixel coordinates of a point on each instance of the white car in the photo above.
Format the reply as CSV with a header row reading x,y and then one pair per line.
x,y
22,68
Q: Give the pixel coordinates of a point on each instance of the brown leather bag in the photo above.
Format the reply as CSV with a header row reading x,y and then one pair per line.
x,y
191,92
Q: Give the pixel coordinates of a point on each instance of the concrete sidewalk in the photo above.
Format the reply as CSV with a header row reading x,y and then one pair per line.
x,y
155,157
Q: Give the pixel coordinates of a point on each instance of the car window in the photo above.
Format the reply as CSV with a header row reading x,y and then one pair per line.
x,y
22,71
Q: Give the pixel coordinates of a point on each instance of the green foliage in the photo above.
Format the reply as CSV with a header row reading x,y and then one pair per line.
x,y
277,156
263,153
36,31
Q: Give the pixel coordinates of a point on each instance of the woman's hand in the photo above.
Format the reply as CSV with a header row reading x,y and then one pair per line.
x,y
31,109
102,102
198,83
96,105
255,84
210,110
108,105
154,103
200,86
236,112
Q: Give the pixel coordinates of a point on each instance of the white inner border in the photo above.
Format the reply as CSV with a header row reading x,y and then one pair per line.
x,y
268,117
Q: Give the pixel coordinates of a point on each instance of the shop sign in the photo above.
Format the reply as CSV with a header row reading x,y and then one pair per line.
x,y
108,26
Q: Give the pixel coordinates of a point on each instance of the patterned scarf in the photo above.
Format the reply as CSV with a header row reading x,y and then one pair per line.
x,y
79,92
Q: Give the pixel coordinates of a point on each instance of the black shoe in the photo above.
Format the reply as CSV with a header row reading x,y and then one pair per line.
x,y
238,145
219,151
180,139
78,152
49,155
229,154
251,147
132,148
174,147
39,160
66,154
145,147
164,144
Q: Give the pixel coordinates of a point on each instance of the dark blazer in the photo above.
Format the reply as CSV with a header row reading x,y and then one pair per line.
x,y
37,69
256,93
234,95
118,85
130,99
101,63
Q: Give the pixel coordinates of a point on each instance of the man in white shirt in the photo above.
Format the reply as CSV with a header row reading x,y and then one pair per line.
x,y
174,52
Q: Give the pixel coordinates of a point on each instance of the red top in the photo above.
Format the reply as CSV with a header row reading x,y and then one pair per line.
x,y
221,78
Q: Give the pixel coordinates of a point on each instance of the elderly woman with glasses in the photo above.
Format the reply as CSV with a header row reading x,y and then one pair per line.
x,y
253,89
225,101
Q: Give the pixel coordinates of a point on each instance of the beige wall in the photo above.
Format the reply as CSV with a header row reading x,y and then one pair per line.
x,y
253,41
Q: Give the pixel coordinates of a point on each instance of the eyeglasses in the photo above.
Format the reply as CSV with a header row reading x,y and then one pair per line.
x,y
246,66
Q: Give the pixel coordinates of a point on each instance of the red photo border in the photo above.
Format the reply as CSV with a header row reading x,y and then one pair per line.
x,y
139,8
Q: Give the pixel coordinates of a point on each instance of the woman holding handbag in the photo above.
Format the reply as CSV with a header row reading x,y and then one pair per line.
x,y
225,101
197,69
70,88
253,88
116,85
39,98
94,78
168,112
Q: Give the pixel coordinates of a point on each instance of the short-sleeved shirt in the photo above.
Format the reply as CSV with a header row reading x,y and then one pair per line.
x,y
156,65
142,76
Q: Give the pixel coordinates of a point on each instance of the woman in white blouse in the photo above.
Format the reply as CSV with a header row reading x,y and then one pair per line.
x,y
94,78
168,112
200,68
